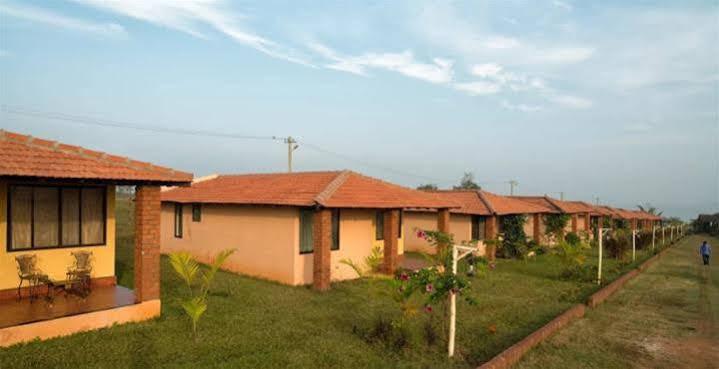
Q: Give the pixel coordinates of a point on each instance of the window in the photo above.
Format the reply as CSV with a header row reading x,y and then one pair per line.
x,y
335,230
399,225
53,216
379,226
306,239
478,224
196,212
178,220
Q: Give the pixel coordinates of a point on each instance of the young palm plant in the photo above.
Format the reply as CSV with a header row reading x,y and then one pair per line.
x,y
188,269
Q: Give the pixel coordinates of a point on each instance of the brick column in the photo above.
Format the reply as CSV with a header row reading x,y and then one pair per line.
x,y
443,222
321,255
391,241
147,243
634,224
536,229
588,222
575,223
490,231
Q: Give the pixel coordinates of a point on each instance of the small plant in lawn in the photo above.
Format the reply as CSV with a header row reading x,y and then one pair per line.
x,y
573,239
188,269
618,243
573,258
372,263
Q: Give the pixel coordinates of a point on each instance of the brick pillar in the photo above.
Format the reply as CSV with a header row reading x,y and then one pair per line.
x,y
536,229
588,222
391,241
147,243
575,223
322,242
634,224
490,231
443,222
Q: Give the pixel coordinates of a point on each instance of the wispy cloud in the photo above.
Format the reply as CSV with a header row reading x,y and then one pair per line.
x,y
478,88
439,71
574,102
190,16
61,21
565,55
521,107
563,5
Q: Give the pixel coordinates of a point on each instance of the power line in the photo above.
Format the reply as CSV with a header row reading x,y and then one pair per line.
x,y
120,124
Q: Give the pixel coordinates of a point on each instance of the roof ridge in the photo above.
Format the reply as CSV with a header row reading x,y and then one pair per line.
x,y
100,156
332,187
487,203
553,202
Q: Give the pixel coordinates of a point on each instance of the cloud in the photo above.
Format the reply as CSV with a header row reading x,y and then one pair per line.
x,y
563,4
478,88
189,16
573,102
58,20
521,107
439,71
567,55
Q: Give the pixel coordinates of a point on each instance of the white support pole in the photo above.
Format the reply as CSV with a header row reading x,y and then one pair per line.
x,y
671,234
654,237
452,307
664,239
634,245
600,233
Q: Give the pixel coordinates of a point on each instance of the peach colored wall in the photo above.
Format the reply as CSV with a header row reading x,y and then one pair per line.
x,y
265,237
529,226
460,226
357,237
79,323
54,262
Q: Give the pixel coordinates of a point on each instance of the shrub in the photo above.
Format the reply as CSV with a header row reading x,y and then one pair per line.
x,y
514,243
618,243
573,239
555,225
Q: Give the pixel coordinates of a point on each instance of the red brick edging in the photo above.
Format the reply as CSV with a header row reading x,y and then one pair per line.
x,y
515,352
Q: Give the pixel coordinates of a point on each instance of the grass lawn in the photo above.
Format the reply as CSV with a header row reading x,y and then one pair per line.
x,y
254,323
668,317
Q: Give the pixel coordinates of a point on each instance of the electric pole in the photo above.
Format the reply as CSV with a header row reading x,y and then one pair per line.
x,y
512,184
291,147
561,195
596,200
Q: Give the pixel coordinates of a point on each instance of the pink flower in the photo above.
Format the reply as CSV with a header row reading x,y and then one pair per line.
x,y
429,288
428,308
421,234
404,277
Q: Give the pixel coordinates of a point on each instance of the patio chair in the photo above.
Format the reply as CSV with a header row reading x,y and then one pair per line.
x,y
80,271
27,270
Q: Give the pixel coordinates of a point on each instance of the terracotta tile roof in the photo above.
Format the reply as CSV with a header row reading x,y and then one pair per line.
x,y
562,206
26,156
603,211
504,205
336,189
468,201
541,201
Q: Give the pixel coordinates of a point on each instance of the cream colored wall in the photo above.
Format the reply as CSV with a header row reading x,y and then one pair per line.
x,y
529,226
460,226
54,262
357,237
266,238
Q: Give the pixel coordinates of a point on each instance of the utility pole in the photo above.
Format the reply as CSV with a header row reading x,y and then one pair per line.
x,y
561,195
291,147
512,184
596,200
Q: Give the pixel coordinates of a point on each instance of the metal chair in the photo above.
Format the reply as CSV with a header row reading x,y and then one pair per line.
x,y
27,270
81,270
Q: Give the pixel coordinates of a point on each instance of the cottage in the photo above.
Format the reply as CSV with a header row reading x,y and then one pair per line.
x,y
293,228
57,229
579,212
478,217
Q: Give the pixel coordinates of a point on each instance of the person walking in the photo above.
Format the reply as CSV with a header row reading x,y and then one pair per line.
x,y
705,250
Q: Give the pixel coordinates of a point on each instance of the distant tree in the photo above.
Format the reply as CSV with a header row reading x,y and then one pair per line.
x,y
467,183
428,187
647,207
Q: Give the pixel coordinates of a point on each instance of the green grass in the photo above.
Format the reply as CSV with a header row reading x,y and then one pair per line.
x,y
662,319
253,323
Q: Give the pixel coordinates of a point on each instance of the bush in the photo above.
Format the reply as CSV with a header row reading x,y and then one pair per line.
x,y
514,243
555,225
573,239
618,243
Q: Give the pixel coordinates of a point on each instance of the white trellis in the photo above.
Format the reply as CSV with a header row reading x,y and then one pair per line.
x,y
634,244
654,236
600,232
458,253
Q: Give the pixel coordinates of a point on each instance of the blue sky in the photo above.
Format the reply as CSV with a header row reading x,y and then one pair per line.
x,y
606,98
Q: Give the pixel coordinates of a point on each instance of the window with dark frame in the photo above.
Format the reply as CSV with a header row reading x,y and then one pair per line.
x,y
178,220
306,237
478,225
45,216
196,212
379,226
335,230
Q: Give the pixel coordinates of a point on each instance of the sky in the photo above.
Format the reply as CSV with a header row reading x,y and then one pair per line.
x,y
610,99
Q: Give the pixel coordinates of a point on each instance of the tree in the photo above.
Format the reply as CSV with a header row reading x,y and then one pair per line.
x,y
648,208
428,187
467,183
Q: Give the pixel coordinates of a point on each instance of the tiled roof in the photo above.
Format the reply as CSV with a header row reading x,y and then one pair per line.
x,y
26,156
505,205
468,201
336,189
541,201
604,211
562,206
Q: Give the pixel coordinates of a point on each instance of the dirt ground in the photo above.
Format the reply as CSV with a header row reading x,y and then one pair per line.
x,y
668,317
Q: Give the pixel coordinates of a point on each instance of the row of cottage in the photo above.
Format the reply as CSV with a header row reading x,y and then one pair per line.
x,y
295,228
57,200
